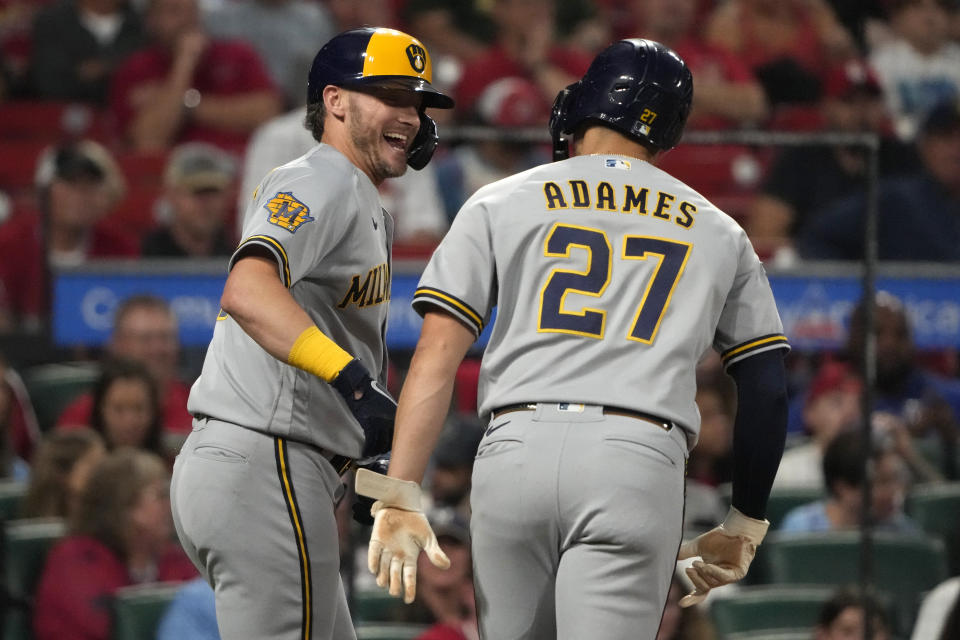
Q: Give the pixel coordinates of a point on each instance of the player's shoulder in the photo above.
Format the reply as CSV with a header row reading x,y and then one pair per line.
x,y
322,174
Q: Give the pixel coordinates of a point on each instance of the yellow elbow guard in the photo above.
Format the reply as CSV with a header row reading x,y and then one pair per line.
x,y
317,354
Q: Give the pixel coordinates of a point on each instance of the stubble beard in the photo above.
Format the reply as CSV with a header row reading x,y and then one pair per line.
x,y
367,141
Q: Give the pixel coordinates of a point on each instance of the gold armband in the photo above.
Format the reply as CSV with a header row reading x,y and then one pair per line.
x,y
317,354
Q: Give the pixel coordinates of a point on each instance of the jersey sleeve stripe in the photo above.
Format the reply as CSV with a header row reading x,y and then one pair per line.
x,y
459,307
276,248
764,343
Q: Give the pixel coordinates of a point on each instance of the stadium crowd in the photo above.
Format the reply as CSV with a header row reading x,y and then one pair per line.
x,y
139,128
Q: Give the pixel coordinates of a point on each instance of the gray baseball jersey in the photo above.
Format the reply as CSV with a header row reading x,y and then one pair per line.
x,y
321,219
611,279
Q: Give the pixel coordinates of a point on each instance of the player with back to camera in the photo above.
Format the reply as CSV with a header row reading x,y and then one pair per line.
x,y
611,280
291,388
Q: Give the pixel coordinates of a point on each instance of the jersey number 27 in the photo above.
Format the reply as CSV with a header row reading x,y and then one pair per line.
x,y
671,259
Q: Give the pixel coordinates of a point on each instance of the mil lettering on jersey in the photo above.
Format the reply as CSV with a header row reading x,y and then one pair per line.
x,y
579,194
374,289
287,212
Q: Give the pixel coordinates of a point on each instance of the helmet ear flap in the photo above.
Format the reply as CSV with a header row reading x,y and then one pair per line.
x,y
558,122
424,143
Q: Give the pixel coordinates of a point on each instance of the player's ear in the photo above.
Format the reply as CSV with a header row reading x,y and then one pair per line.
x,y
335,100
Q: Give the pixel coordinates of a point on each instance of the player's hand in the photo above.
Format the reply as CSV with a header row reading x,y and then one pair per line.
x,y
371,405
363,505
725,551
395,543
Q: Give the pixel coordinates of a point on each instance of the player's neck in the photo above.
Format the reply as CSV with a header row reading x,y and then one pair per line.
x,y
601,140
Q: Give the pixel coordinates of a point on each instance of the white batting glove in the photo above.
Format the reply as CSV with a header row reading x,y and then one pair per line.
x,y
725,551
400,531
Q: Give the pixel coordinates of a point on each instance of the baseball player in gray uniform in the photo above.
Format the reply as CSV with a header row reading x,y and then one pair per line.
x,y
611,279
291,388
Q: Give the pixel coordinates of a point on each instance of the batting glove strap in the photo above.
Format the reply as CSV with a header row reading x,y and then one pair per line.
x,y
738,524
387,491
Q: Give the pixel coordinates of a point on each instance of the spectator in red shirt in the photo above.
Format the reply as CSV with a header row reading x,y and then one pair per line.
x,y
120,536
525,47
145,331
126,408
78,185
448,594
726,93
188,86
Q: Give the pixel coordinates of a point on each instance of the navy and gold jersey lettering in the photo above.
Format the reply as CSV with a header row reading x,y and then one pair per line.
x,y
664,200
374,290
635,199
554,195
581,195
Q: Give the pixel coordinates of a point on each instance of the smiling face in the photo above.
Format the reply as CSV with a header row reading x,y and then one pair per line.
x,y
375,128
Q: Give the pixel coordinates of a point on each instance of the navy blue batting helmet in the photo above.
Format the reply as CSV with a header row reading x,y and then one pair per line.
x,y
637,87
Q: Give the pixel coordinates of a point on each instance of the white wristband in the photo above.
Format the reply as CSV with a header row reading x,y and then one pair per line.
x,y
738,524
392,492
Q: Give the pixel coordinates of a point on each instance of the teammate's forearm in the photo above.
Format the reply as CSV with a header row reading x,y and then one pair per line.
x,y
426,394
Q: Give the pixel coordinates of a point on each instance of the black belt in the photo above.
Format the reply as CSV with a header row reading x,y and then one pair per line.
x,y
664,424
340,463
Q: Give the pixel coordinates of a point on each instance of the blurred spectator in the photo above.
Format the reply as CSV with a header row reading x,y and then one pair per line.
x,y
448,594
125,407
188,86
842,617
843,479
804,179
785,42
121,535
525,47
726,93
413,200
713,464
197,190
832,405
77,44
689,623
939,615
507,103
919,66
78,185
18,425
453,464
928,404
145,331
192,615
454,30
350,14
286,33
61,469
918,215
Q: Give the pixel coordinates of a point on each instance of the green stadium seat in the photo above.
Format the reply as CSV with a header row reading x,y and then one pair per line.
x,y
782,501
137,610
904,566
390,631
786,634
936,507
54,386
25,548
11,495
768,608
376,605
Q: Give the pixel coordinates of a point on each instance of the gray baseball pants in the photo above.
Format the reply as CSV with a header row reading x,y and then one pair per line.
x,y
255,513
577,518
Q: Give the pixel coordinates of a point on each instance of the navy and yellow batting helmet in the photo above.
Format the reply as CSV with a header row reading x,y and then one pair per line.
x,y
637,87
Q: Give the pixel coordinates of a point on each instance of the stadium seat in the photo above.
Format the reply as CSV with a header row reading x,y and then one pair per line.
x,y
25,548
376,605
767,608
18,164
137,610
785,634
53,386
393,631
936,507
143,168
11,495
904,566
782,501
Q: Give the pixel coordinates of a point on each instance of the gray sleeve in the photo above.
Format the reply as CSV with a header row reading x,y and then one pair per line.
x,y
461,275
749,323
298,219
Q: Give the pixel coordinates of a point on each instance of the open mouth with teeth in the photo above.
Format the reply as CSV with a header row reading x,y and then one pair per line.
x,y
396,140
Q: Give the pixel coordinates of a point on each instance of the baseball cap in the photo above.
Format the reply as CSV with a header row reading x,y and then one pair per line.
x,y
943,118
850,78
458,443
511,102
447,522
833,376
83,160
198,166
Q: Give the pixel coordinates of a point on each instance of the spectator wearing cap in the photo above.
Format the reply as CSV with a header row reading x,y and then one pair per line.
x,y
831,405
186,86
453,464
78,185
804,179
919,215
506,104
919,66
198,189
449,594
